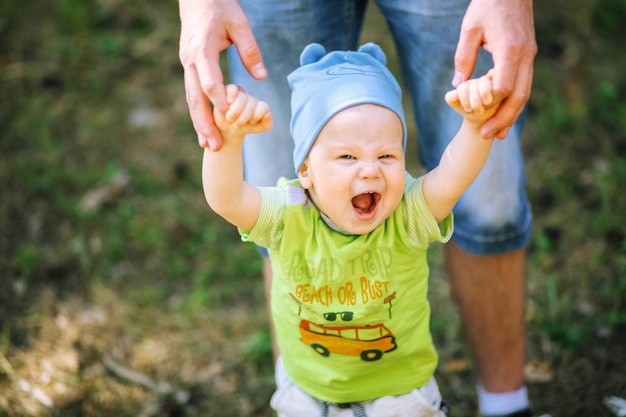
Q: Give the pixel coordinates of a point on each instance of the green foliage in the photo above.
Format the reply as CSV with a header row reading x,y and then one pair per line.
x,y
26,259
258,350
563,322
577,170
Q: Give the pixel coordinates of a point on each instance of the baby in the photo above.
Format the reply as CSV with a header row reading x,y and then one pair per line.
x,y
348,237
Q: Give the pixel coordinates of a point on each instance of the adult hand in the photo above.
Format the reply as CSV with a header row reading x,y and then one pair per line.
x,y
505,29
207,28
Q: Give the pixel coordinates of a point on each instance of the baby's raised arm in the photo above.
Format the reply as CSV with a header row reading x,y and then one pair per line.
x,y
222,172
467,153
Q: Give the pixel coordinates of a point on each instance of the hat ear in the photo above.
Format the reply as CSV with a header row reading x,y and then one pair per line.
x,y
375,51
313,52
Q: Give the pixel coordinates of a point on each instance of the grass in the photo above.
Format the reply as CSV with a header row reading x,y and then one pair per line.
x,y
107,246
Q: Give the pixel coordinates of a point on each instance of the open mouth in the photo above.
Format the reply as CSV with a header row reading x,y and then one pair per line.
x,y
365,203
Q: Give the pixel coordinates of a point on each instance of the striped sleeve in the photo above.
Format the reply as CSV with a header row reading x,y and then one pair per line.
x,y
422,227
267,231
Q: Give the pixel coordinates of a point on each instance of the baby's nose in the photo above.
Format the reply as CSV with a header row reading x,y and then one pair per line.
x,y
369,169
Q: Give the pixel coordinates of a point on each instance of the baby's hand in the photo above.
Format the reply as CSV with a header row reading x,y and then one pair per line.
x,y
245,114
473,99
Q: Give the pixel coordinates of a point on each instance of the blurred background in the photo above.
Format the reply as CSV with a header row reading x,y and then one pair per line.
x,y
122,294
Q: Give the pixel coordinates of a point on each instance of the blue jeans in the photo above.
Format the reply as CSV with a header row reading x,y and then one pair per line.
x,y
494,215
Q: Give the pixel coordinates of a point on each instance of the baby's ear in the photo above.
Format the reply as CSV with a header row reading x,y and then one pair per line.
x,y
303,176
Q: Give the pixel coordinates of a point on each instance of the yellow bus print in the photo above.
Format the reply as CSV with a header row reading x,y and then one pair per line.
x,y
368,342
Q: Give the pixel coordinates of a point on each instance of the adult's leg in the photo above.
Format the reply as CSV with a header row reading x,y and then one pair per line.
x,y
492,221
490,295
282,30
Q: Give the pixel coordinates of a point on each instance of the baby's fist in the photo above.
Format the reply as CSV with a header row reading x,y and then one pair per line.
x,y
473,99
245,114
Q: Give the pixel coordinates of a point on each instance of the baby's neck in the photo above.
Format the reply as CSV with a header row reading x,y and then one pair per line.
x,y
332,225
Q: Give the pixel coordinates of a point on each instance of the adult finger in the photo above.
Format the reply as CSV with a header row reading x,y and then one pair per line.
x,y
506,66
513,105
211,80
200,112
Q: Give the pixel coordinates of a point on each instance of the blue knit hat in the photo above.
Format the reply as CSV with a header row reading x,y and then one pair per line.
x,y
326,84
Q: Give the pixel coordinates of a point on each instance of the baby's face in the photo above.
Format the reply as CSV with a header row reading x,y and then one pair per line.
x,y
355,170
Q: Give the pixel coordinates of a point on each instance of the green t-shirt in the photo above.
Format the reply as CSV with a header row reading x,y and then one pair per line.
x,y
350,311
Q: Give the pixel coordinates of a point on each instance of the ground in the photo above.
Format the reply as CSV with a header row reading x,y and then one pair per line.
x,y
122,294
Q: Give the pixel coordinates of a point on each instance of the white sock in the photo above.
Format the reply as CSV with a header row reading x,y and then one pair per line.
x,y
495,403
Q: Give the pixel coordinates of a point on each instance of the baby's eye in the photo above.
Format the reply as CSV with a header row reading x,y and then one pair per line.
x,y
385,156
346,157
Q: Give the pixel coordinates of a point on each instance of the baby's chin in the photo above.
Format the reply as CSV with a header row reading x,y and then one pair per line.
x,y
360,228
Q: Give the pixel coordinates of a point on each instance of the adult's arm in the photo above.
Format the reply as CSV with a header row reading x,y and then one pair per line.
x,y
506,29
207,28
